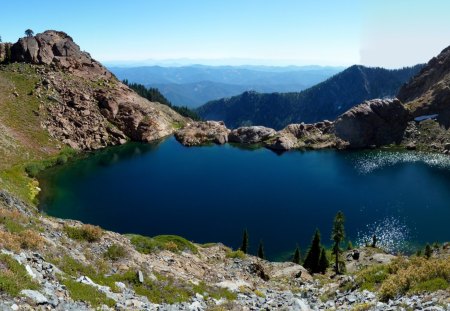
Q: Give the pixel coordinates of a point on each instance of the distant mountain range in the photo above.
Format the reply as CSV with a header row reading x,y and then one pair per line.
x,y
326,100
195,85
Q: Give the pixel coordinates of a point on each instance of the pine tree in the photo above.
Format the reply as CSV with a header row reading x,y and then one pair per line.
x,y
244,245
428,251
312,257
338,235
261,250
29,33
374,241
323,261
349,246
296,258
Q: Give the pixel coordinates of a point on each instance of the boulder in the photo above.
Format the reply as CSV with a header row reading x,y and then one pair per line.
x,y
309,136
251,134
373,123
35,296
200,133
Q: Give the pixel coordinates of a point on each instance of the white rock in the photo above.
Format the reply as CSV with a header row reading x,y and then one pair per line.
x,y
36,296
85,280
15,307
30,271
195,306
121,285
233,285
299,305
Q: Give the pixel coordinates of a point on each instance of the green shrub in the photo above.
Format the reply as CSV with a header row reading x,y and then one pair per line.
x,y
236,254
171,243
430,286
33,169
14,277
372,277
87,293
115,252
87,233
62,159
214,292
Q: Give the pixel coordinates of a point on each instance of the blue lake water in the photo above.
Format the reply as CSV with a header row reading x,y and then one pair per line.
x,y
210,194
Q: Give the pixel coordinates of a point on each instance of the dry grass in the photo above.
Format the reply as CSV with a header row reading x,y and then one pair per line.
x,y
414,274
27,239
87,233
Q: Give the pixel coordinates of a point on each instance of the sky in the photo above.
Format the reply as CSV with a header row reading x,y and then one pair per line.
x,y
384,33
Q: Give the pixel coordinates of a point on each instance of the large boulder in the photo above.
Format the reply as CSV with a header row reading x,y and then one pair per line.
x,y
251,134
200,133
304,136
373,123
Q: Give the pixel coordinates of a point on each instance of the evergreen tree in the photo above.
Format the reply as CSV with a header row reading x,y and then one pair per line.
x,y
312,257
29,33
349,246
296,258
154,95
0,39
428,251
244,245
338,235
323,261
261,250
374,241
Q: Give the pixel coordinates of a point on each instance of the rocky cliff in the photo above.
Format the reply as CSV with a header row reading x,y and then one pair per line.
x,y
81,103
429,92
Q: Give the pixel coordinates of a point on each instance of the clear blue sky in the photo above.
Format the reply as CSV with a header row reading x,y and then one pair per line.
x,y
326,32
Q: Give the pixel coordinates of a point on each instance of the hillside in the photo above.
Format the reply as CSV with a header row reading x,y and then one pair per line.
x,y
56,99
327,100
195,85
56,104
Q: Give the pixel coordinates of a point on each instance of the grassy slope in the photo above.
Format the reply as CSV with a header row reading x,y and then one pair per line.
x,y
22,139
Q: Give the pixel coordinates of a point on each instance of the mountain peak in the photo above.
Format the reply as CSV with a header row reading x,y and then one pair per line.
x,y
56,48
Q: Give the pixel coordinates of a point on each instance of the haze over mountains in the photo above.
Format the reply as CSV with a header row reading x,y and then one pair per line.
x,y
195,85
326,100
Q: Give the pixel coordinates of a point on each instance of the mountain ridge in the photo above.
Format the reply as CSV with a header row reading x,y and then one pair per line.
x,y
326,100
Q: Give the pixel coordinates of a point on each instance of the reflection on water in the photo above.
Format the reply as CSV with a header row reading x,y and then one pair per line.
x,y
210,194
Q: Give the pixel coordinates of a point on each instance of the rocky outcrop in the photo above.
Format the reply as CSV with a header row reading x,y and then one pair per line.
x,y
81,103
304,136
201,133
58,49
5,52
429,92
251,134
373,123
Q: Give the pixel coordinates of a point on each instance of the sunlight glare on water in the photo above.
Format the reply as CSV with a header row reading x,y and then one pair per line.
x,y
376,160
392,235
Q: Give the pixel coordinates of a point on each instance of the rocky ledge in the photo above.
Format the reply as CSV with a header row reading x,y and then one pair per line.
x,y
201,133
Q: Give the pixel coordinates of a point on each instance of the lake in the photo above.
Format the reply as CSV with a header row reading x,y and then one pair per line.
x,y
210,194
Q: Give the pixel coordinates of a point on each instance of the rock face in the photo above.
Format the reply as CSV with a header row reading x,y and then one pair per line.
x,y
304,136
82,104
373,123
429,91
57,48
251,134
5,51
200,133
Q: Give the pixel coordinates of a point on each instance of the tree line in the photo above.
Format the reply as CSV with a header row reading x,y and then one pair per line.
x,y
154,95
316,260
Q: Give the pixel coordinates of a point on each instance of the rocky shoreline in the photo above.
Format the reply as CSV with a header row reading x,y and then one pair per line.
x,y
372,124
